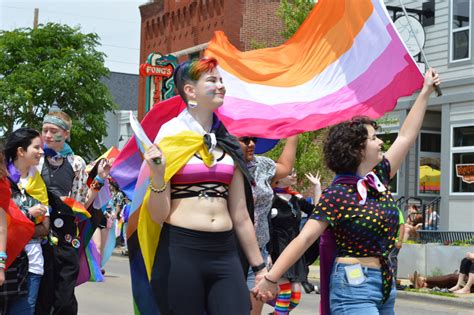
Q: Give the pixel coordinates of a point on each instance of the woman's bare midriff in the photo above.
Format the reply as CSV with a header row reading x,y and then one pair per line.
x,y
371,262
208,214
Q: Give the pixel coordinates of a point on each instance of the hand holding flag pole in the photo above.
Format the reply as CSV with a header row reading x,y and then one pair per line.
x,y
140,136
436,87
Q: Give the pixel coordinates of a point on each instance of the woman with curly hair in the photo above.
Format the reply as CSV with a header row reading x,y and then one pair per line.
x,y
359,209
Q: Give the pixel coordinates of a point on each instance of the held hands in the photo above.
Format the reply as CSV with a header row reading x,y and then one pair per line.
x,y
264,290
38,210
431,79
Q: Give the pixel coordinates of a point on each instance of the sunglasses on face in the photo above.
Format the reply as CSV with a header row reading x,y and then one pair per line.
x,y
246,140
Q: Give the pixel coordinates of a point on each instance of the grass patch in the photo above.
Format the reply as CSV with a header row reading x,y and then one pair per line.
x,y
316,263
426,291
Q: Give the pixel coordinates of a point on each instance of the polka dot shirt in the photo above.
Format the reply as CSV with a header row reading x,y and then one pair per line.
x,y
367,230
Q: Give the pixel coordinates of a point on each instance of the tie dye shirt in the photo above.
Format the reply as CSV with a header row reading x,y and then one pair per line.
x,y
367,230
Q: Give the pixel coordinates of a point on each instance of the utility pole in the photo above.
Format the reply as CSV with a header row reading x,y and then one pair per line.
x,y
35,19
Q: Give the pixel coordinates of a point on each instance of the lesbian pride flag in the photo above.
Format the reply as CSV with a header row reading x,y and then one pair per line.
x,y
346,59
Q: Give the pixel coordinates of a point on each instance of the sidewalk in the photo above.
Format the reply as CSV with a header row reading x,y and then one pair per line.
x,y
465,300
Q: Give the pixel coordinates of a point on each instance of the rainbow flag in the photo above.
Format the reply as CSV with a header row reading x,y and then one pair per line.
x,y
346,59
126,166
78,208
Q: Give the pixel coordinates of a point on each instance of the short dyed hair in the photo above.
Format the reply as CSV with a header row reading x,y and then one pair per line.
x,y
345,144
190,71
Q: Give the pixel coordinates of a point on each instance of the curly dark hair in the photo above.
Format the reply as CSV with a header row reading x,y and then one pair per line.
x,y
345,144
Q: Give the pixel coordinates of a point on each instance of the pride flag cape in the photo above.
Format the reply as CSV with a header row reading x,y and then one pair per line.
x,y
20,229
126,166
178,141
346,59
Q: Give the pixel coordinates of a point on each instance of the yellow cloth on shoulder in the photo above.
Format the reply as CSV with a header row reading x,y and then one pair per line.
x,y
177,150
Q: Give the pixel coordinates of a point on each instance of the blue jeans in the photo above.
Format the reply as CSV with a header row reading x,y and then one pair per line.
x,y
251,274
364,298
25,304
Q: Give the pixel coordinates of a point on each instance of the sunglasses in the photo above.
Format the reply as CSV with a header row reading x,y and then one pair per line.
x,y
246,140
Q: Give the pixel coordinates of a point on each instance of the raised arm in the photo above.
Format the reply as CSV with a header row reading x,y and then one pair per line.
x,y
286,161
412,124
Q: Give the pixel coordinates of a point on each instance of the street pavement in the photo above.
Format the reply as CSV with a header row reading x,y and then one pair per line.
x,y
114,296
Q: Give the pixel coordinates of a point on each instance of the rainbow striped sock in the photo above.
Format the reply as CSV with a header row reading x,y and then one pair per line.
x,y
294,299
283,300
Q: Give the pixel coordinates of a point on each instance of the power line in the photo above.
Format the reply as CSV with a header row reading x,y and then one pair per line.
x,y
72,14
117,61
123,47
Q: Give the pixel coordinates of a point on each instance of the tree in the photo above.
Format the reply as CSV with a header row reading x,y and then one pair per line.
x,y
309,156
293,13
54,63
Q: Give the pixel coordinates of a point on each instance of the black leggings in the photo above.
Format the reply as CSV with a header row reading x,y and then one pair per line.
x,y
198,273
467,266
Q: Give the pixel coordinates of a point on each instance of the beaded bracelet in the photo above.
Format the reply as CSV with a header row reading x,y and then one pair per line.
x,y
157,190
96,185
3,255
2,265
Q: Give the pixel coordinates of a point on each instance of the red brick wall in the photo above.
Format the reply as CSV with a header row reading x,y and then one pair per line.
x,y
169,26
260,24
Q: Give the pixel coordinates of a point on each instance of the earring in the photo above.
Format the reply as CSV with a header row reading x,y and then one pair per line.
x,y
192,104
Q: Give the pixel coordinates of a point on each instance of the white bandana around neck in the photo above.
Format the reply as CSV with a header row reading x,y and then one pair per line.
x,y
369,180
185,121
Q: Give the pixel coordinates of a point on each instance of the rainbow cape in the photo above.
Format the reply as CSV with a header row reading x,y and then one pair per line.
x,y
179,141
346,59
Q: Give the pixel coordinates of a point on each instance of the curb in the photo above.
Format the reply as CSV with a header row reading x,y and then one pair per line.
x,y
450,301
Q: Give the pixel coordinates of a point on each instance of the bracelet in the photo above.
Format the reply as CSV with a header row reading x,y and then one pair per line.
x,y
157,190
272,282
257,268
96,185
3,255
99,180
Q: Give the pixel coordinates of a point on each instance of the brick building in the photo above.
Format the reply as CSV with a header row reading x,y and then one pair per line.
x,y
184,27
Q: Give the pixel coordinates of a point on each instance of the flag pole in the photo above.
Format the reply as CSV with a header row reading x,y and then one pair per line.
x,y
436,87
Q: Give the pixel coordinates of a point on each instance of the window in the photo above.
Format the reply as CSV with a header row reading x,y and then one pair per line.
x,y
462,175
429,170
388,139
460,30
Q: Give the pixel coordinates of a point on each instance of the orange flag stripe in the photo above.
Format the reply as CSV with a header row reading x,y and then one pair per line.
x,y
335,32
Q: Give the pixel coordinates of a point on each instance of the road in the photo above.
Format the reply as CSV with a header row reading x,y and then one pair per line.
x,y
114,296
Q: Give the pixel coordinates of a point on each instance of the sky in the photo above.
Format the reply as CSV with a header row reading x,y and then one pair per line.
x,y
117,22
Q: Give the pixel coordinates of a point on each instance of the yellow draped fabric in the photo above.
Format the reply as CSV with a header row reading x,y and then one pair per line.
x,y
177,150
36,188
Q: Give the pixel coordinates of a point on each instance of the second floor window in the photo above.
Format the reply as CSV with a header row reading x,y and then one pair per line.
x,y
460,29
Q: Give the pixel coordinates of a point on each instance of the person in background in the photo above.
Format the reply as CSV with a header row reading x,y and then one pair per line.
x,y
23,151
266,173
65,176
286,211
